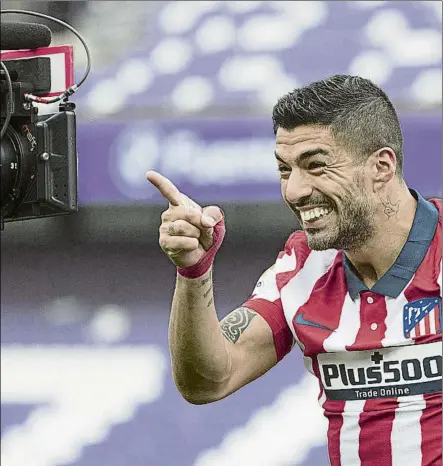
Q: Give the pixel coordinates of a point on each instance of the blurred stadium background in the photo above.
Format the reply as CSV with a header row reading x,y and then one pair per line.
x,y
186,88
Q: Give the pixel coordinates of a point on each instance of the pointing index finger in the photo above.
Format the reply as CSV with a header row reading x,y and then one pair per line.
x,y
166,187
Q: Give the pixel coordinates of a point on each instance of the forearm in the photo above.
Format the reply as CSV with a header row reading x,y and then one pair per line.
x,y
199,351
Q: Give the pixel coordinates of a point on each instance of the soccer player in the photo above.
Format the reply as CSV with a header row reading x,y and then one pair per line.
x,y
358,289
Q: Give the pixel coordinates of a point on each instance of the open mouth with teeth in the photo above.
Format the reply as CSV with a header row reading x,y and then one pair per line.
x,y
312,215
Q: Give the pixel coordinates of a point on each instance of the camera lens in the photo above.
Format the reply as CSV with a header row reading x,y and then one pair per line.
x,y
12,163
9,168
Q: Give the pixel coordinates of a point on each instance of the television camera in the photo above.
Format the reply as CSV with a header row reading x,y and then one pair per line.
x,y
38,122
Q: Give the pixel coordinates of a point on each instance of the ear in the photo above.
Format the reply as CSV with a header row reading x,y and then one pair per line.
x,y
384,164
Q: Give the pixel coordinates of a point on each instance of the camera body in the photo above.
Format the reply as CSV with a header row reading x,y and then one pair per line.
x,y
38,150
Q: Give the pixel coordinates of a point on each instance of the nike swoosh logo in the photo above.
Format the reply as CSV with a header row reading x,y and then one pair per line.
x,y
299,319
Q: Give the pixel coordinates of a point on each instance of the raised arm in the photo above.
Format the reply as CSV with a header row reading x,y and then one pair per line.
x,y
210,359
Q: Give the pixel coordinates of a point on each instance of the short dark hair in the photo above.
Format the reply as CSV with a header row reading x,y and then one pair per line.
x,y
359,114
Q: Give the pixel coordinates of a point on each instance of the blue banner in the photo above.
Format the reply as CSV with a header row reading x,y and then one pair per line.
x,y
225,160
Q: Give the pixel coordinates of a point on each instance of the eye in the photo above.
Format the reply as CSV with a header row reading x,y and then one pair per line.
x,y
316,165
284,170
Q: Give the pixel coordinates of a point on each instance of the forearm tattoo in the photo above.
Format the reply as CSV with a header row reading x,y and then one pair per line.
x,y
236,323
206,280
390,208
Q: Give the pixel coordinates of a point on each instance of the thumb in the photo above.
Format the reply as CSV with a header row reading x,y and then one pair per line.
x,y
211,216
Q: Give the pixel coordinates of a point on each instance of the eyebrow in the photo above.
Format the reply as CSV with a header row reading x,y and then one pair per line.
x,y
305,155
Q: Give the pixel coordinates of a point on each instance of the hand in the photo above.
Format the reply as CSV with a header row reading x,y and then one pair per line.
x,y
186,231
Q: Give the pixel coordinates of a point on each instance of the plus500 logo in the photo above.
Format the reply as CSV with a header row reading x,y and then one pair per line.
x,y
388,372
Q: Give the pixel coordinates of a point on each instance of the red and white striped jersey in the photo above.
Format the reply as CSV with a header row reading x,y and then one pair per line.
x,y
376,352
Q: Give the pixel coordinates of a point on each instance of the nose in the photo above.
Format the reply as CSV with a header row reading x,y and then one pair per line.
x,y
297,187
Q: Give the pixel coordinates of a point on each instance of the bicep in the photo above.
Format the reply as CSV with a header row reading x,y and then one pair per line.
x,y
251,347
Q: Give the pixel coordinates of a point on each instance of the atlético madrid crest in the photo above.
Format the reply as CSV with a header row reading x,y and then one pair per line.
x,y
422,317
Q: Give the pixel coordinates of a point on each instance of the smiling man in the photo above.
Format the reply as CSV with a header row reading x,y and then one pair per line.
x,y
358,289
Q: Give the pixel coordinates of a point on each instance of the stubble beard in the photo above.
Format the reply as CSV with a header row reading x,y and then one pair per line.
x,y
351,228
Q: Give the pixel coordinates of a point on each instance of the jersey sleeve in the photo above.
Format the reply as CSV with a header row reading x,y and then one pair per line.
x,y
265,300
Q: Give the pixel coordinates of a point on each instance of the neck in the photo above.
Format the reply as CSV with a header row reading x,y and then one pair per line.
x,y
394,220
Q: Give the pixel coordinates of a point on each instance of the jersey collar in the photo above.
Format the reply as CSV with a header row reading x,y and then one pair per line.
x,y
394,281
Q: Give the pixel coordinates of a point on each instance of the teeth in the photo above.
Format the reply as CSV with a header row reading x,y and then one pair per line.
x,y
314,213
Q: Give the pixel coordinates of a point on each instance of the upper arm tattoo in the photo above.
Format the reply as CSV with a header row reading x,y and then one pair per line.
x,y
234,324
